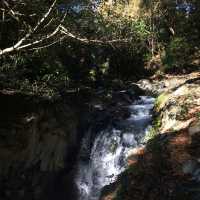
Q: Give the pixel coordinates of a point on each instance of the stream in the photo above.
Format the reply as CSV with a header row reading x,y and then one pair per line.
x,y
109,152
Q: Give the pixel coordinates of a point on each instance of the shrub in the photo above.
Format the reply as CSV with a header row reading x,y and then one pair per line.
x,y
176,55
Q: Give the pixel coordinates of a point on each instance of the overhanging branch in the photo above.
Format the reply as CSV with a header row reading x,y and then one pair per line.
x,y
18,46
89,41
32,40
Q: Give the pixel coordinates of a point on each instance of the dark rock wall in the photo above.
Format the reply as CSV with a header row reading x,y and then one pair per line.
x,y
37,141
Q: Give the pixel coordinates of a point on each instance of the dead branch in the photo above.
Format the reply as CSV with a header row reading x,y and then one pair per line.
x,y
31,41
49,45
18,46
88,41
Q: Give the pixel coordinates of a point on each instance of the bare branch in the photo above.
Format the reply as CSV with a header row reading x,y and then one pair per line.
x,y
32,41
36,27
45,16
48,45
41,40
10,12
87,41
36,42
19,46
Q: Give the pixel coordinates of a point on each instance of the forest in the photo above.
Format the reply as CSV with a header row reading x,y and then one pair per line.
x,y
75,44
99,99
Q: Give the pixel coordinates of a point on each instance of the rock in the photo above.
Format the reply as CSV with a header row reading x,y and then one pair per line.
x,y
194,129
150,87
178,109
122,97
117,84
192,167
137,151
8,193
134,155
37,139
189,166
21,193
135,90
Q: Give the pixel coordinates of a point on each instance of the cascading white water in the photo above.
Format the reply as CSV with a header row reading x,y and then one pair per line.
x,y
110,150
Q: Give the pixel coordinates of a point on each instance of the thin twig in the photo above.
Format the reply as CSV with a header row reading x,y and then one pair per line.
x,y
19,46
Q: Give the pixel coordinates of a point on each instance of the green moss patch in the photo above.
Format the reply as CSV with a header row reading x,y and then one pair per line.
x,y
161,101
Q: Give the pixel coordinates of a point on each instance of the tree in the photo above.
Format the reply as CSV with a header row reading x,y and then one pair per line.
x,y
43,31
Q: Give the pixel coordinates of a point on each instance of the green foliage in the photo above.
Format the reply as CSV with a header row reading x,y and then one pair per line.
x,y
161,100
153,131
198,115
177,54
183,112
144,25
33,74
141,28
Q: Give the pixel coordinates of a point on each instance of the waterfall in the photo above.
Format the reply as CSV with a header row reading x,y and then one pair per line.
x,y
110,149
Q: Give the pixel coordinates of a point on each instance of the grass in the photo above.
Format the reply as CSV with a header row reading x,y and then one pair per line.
x,y
156,124
150,134
154,130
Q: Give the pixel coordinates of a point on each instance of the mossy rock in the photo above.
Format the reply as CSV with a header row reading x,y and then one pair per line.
x,y
161,101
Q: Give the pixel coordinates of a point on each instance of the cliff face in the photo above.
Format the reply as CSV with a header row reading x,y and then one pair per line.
x,y
37,139
168,168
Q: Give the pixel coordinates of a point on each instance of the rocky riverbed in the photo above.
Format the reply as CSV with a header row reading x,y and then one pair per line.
x,y
40,141
169,167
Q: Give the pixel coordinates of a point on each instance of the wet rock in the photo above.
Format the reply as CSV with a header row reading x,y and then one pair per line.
x,y
156,86
151,88
135,90
134,154
190,166
117,84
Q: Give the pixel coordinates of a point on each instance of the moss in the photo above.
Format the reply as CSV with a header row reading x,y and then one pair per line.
x,y
183,113
160,101
198,115
154,130
150,135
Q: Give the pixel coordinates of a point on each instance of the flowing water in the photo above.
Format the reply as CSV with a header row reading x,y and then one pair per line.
x,y
107,158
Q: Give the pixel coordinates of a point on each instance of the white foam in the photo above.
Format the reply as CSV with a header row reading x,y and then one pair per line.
x,y
110,150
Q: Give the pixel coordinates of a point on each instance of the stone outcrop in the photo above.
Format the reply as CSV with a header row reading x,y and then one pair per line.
x,y
178,109
157,85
